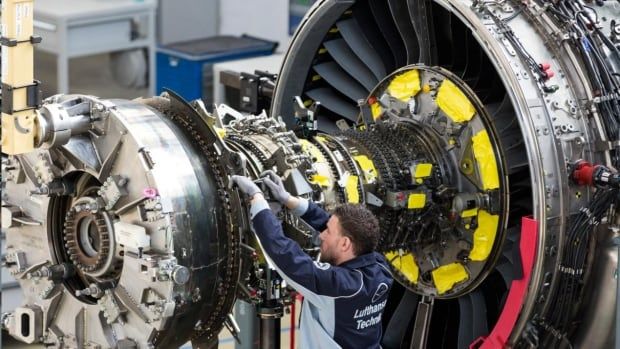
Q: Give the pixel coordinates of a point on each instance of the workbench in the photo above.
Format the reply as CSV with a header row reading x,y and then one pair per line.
x,y
77,28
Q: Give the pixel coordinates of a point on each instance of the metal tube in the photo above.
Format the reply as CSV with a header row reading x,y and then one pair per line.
x,y
269,333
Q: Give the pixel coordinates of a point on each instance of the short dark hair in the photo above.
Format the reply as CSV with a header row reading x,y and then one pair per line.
x,y
360,225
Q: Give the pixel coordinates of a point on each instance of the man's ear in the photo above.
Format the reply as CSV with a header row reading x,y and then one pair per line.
x,y
347,243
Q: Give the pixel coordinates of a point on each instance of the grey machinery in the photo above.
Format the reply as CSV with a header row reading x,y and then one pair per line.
x,y
452,120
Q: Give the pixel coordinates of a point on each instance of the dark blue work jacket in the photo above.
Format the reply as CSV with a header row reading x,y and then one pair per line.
x,y
343,304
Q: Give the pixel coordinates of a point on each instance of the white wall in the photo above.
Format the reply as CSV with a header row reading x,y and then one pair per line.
x,y
267,19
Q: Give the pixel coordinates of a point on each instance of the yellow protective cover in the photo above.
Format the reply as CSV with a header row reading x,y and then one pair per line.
x,y
423,170
416,200
368,167
405,85
353,196
484,236
446,276
485,158
405,264
452,101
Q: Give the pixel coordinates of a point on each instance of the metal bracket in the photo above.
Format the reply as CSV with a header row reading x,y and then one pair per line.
x,y
34,39
34,97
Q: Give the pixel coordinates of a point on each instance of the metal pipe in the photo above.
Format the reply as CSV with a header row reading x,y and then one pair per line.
x,y
269,333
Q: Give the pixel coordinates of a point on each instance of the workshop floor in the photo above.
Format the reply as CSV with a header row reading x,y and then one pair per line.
x,y
91,75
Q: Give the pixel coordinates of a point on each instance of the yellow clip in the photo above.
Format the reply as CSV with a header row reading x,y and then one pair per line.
x,y
446,276
368,167
469,213
221,132
485,157
484,236
312,149
423,170
452,101
376,110
406,265
416,201
353,196
405,85
320,180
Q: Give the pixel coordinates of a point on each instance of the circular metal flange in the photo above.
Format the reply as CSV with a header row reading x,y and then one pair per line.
x,y
448,239
89,239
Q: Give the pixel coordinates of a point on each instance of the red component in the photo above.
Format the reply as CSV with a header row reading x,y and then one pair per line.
x,y
549,74
293,320
583,173
544,66
296,297
498,338
372,100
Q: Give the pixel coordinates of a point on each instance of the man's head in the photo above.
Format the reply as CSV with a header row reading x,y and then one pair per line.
x,y
352,230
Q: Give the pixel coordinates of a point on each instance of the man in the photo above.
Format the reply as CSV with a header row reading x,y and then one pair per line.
x,y
346,292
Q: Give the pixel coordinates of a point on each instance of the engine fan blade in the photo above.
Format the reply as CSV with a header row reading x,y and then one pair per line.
x,y
341,81
381,12
400,14
473,318
367,22
347,59
396,331
352,35
330,100
419,17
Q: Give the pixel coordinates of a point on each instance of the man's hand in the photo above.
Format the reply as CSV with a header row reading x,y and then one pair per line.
x,y
246,185
274,183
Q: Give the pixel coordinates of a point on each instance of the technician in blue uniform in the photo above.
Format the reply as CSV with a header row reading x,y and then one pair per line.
x,y
346,292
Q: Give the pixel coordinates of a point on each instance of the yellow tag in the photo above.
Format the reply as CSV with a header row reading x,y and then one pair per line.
x,y
406,265
485,157
320,180
484,236
469,213
368,167
405,85
446,276
452,101
376,110
221,132
416,201
423,170
353,196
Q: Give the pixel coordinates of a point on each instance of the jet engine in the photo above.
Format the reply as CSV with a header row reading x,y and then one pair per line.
x,y
483,135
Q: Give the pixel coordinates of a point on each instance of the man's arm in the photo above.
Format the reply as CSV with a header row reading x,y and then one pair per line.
x,y
310,212
315,216
315,281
